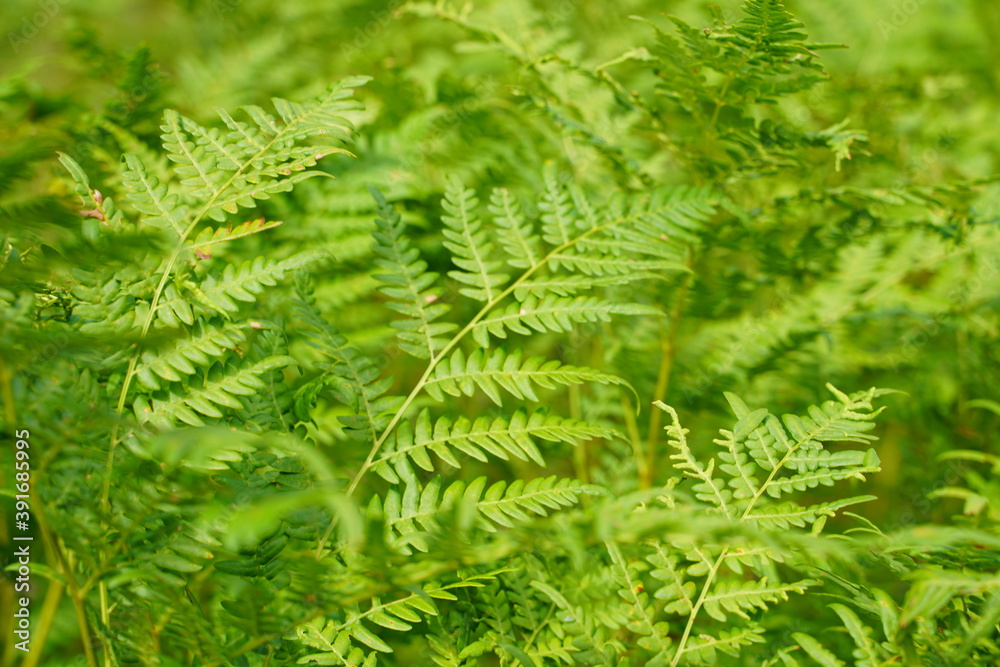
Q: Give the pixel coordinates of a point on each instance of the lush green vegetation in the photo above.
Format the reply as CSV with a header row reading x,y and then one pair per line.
x,y
516,333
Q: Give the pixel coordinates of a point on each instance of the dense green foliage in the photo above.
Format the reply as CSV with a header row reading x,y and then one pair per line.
x,y
397,333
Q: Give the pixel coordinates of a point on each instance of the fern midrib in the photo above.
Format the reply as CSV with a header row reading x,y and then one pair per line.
x,y
711,642
563,375
219,146
144,179
512,219
674,575
250,231
518,500
175,131
415,297
572,309
741,593
328,645
741,466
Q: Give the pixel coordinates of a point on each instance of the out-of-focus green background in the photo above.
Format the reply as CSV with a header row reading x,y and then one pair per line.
x,y
920,77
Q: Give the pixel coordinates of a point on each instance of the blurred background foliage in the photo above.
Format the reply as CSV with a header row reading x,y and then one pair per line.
x,y
878,270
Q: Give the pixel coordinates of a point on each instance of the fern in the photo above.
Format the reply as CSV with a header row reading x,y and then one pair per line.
x,y
470,248
396,413
501,437
409,284
736,491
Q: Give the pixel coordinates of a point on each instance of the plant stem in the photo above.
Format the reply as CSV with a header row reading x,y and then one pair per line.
x,y
65,565
697,607
580,464
668,352
7,592
53,596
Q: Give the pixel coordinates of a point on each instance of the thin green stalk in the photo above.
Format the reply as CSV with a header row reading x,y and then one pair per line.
x,y
632,427
53,596
668,352
697,607
65,564
7,389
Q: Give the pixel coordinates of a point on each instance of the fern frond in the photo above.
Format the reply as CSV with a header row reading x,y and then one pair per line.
x,y
780,517
503,503
703,649
740,597
553,313
408,282
410,515
263,560
163,208
209,237
866,653
571,284
517,235
201,348
194,160
676,213
270,409
823,476
220,389
709,489
355,379
678,592
653,635
255,160
770,25
351,643
498,436
612,265
559,221
815,650
469,245
491,371
220,292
